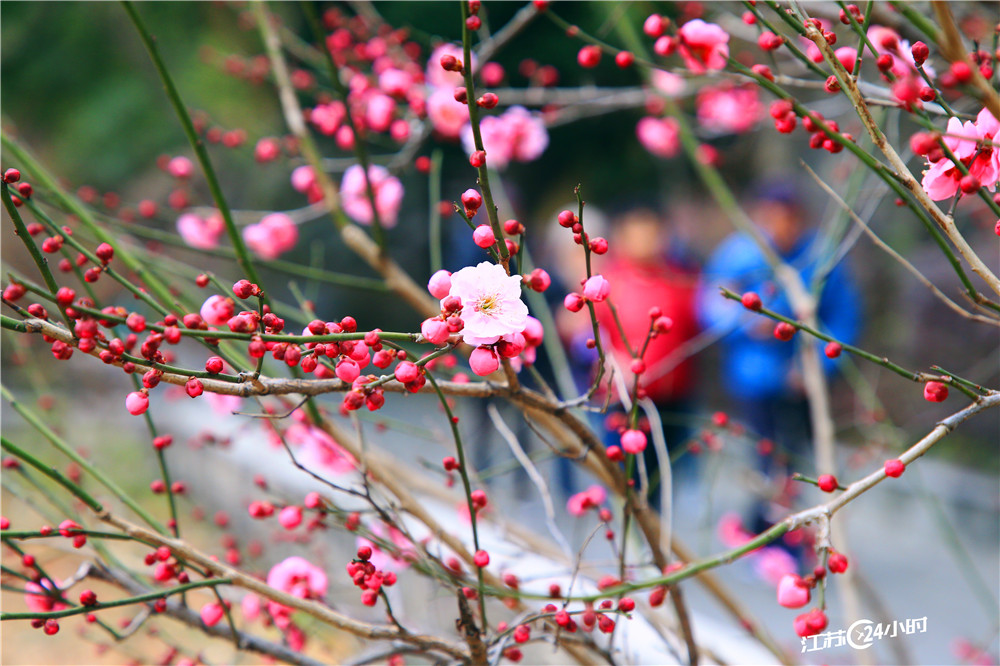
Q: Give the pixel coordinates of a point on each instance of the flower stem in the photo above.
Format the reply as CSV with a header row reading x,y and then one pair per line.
x,y
467,486
242,254
484,174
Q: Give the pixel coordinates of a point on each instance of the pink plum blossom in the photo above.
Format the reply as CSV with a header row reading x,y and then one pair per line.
x,y
517,135
201,232
298,577
216,310
729,109
435,331
136,403
971,143
660,136
491,303
394,81
274,235
388,194
290,517
533,332
447,116
887,40
250,605
222,403
703,46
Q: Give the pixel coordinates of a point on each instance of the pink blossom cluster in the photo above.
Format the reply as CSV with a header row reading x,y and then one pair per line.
x,y
386,187
517,135
972,143
729,109
484,305
274,235
295,576
201,232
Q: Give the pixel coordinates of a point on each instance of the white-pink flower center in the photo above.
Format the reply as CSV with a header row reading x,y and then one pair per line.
x,y
488,304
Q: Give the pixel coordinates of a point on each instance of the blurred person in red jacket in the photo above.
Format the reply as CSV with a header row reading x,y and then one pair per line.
x,y
646,271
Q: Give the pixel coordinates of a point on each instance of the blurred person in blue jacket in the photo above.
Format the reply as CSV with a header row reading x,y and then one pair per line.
x,y
759,371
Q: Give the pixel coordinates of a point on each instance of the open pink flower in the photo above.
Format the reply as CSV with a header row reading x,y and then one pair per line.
x,y
972,144
388,194
201,232
447,116
703,46
491,303
272,236
517,135
659,136
298,577
729,109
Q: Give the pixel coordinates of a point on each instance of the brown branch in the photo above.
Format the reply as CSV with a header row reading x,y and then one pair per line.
x,y
952,48
861,486
466,624
191,618
574,436
885,247
315,609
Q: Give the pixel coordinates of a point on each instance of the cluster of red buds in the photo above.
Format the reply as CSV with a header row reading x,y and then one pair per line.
x,y
365,576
